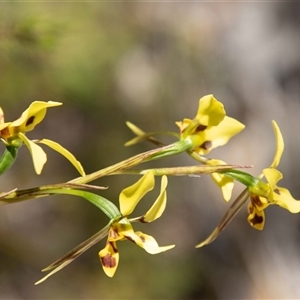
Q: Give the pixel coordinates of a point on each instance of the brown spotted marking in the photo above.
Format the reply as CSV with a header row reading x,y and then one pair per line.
x,y
277,191
142,239
200,128
5,134
206,145
30,121
108,261
257,220
250,209
255,200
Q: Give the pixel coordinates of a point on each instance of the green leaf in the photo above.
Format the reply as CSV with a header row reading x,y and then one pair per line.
x,y
8,158
105,205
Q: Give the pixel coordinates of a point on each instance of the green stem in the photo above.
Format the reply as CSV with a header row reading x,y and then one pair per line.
x,y
181,171
244,178
158,153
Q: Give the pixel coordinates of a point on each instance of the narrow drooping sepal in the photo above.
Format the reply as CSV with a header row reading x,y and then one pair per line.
x,y
230,214
73,254
63,151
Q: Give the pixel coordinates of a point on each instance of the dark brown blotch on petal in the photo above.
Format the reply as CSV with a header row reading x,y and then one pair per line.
x,y
200,128
250,209
256,200
108,261
30,121
257,220
206,145
4,133
277,191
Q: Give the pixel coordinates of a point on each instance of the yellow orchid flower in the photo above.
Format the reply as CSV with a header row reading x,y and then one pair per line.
x,y
119,227
262,194
211,128
271,194
123,230
10,132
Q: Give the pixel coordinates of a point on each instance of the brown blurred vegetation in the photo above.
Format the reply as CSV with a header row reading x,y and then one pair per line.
x,y
150,63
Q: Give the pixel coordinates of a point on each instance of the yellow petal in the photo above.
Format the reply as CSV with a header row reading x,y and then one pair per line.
x,y
183,124
150,245
1,116
159,205
210,112
121,230
225,183
63,151
131,195
256,218
38,155
219,135
109,257
33,115
272,176
283,198
279,145
5,132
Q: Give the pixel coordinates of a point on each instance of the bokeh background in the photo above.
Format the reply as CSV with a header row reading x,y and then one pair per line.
x,y
150,63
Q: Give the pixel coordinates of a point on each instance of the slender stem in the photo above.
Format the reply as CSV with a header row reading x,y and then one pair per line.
x,y
181,171
169,150
43,191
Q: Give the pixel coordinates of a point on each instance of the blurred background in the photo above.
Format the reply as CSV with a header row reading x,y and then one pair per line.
x,y
149,63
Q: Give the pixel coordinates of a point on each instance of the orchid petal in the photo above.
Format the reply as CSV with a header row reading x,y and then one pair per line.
x,y
121,230
256,218
33,115
224,182
150,245
272,176
109,257
131,195
219,135
159,205
38,155
1,116
279,145
210,112
183,124
283,198
63,151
